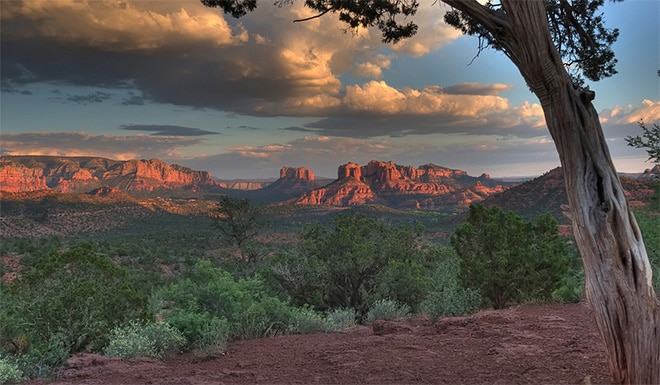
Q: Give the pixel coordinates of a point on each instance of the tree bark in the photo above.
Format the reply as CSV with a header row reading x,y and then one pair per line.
x,y
616,266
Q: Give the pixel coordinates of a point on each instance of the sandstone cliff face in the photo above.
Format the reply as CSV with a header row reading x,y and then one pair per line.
x,y
293,181
19,178
82,174
428,186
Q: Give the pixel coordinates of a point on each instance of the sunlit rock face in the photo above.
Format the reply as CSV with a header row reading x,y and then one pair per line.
x,y
297,173
83,174
427,186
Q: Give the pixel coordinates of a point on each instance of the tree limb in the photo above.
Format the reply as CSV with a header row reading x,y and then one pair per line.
x,y
315,16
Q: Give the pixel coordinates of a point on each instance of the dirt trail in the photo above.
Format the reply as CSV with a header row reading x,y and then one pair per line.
x,y
550,344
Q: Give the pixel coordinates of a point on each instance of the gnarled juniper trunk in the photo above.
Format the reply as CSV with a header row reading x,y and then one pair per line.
x,y
617,269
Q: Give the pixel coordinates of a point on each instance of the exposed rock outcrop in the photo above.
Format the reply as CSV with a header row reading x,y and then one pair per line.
x,y
83,174
428,186
293,181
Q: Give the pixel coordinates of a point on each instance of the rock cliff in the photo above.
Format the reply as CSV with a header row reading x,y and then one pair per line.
x,y
427,186
83,174
293,181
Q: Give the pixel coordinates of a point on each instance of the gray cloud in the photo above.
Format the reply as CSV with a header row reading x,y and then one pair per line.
x,y
167,130
83,144
7,87
133,101
94,97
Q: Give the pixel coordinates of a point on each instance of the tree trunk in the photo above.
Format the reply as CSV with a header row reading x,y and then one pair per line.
x,y
616,266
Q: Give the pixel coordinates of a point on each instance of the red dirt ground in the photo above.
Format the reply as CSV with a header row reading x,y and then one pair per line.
x,y
549,344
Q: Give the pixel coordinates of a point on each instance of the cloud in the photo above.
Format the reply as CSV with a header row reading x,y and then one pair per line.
x,y
118,26
133,100
94,97
649,112
182,53
7,87
168,130
83,144
471,88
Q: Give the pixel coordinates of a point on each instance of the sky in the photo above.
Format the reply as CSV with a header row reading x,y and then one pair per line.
x,y
174,80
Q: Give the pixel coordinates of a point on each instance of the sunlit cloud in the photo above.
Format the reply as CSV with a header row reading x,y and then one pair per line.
x,y
83,144
119,25
648,112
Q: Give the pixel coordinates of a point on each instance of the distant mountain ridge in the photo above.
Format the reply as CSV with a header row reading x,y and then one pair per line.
x,y
547,193
83,174
427,186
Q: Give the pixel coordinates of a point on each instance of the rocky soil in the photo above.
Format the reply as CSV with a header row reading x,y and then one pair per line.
x,y
549,344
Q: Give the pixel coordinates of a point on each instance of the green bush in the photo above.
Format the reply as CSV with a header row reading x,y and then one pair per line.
x,y
447,297
352,263
649,223
43,357
9,372
570,290
144,340
305,320
207,335
386,310
340,319
209,295
509,259
74,298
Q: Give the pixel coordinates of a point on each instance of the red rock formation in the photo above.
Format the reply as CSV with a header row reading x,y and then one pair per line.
x,y
344,192
82,174
15,177
428,186
350,170
297,173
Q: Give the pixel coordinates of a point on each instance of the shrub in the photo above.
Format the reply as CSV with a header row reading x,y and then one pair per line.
x,y
571,288
305,320
77,294
354,262
212,340
42,358
207,335
144,340
447,297
340,319
509,259
208,294
9,372
387,309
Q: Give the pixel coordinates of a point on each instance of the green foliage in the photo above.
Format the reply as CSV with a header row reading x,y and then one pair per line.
x,y
649,223
9,372
239,222
356,261
447,297
650,140
571,288
144,340
214,296
386,310
305,320
207,335
340,319
42,358
509,259
76,295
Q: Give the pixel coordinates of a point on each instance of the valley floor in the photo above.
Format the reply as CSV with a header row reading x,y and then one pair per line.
x,y
546,344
